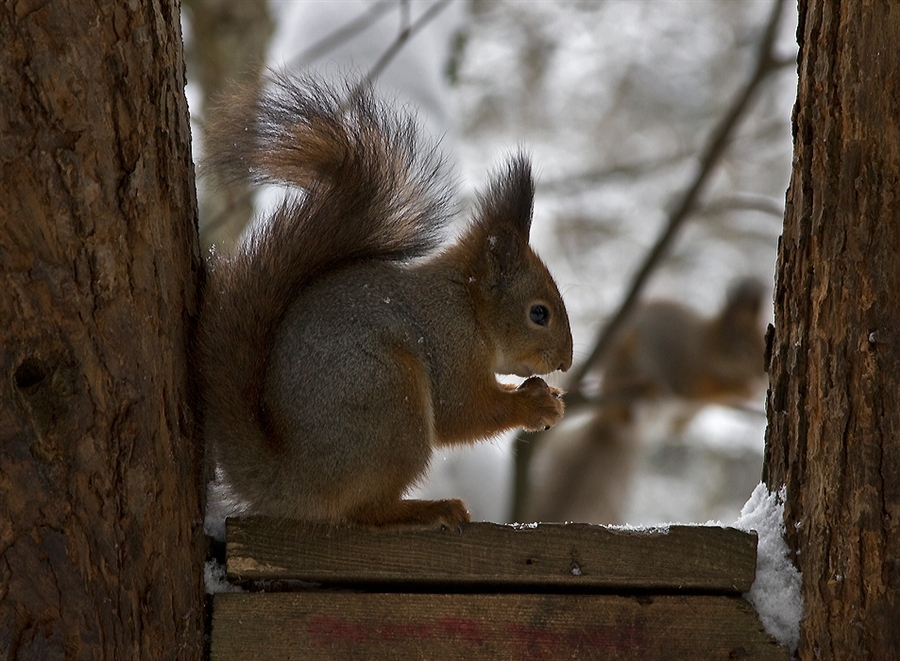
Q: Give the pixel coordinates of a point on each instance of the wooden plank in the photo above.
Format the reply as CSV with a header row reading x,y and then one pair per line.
x,y
559,557
323,625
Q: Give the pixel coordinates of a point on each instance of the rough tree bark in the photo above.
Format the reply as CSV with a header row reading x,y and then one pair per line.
x,y
834,401
101,542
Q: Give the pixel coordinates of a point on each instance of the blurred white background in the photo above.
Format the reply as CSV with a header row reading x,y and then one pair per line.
x,y
615,100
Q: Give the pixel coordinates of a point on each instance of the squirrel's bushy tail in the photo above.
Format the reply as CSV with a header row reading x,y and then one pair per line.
x,y
386,187
372,188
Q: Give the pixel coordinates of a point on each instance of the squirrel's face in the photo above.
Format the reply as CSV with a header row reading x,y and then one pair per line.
x,y
530,323
516,298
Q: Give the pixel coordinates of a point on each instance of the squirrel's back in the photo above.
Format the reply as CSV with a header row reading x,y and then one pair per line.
x,y
669,349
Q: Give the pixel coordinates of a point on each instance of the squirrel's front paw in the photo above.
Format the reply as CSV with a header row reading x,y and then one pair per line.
x,y
545,404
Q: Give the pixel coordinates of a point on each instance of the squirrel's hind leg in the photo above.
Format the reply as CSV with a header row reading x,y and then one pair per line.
x,y
403,442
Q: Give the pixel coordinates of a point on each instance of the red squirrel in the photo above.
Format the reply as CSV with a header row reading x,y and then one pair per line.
x,y
666,350
344,340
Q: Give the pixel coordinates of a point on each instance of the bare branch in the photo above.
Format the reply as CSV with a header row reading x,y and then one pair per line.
x,y
745,202
343,34
405,34
577,182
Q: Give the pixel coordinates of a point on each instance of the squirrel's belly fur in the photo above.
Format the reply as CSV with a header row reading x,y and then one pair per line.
x,y
332,364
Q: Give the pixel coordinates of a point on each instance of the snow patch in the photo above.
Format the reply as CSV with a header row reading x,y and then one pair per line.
x,y
522,526
215,580
775,593
656,529
221,503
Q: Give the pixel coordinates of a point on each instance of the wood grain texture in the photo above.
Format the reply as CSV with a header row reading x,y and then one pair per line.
x,y
342,626
558,556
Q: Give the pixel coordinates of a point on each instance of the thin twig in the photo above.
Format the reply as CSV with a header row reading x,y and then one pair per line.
x,y
577,182
745,202
405,34
342,35
710,156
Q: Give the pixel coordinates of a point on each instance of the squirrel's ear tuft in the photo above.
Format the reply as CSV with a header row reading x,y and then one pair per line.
x,y
507,205
744,304
745,294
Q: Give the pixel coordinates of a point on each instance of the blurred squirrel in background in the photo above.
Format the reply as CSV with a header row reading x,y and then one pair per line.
x,y
666,350
343,342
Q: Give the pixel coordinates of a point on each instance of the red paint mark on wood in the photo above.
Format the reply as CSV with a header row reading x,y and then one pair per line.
x,y
533,641
446,628
325,631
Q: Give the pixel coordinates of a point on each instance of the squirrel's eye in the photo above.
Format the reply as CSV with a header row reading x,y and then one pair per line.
x,y
539,315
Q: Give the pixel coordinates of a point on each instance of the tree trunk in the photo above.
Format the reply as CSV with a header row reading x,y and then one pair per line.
x,y
834,401
100,520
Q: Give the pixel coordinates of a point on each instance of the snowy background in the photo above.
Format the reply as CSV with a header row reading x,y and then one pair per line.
x,y
613,99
